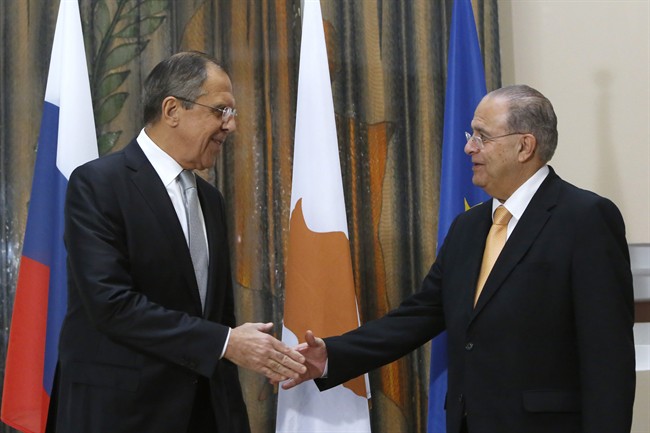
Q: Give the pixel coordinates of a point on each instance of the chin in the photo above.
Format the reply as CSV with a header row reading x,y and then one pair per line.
x,y
476,180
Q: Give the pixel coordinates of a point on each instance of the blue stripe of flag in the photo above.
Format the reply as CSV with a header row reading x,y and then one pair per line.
x,y
44,232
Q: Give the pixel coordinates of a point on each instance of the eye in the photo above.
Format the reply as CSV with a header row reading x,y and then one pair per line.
x,y
217,111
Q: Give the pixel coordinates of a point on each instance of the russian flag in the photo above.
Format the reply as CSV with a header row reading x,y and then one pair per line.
x,y
465,89
67,139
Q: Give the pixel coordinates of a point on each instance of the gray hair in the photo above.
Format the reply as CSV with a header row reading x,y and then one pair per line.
x,y
182,75
530,111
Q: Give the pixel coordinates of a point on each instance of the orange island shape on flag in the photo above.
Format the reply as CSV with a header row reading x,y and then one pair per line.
x,y
319,269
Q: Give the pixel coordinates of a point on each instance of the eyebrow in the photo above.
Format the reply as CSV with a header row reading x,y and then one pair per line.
x,y
478,128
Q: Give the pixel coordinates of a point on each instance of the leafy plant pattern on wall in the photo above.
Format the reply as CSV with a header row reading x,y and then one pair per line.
x,y
121,36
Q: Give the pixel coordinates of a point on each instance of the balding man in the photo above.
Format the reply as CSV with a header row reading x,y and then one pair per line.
x,y
533,287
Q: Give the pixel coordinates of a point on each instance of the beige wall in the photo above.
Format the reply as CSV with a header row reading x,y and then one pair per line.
x,y
591,59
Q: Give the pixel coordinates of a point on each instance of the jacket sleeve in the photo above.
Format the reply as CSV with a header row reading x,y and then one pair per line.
x,y
417,320
604,316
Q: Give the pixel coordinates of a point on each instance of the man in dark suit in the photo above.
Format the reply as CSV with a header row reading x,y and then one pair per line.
x,y
544,342
150,343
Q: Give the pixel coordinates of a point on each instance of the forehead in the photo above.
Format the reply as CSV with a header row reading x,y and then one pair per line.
x,y
491,114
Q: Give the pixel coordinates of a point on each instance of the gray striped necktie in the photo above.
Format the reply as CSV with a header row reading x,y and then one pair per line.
x,y
197,243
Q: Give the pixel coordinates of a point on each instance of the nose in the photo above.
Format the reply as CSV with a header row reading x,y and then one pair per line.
x,y
470,147
229,125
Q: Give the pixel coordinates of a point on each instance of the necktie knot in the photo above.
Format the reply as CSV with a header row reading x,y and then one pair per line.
x,y
502,216
187,179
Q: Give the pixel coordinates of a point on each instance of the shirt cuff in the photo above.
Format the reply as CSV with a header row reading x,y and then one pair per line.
x,y
225,344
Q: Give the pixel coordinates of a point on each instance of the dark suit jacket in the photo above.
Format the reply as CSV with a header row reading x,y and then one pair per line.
x,y
135,341
549,346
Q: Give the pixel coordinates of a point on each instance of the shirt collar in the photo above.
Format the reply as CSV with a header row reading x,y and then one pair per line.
x,y
519,200
166,167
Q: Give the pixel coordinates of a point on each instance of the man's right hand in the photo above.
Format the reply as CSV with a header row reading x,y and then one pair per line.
x,y
251,346
315,354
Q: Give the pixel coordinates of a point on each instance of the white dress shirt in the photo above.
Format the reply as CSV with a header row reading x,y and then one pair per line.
x,y
168,170
519,200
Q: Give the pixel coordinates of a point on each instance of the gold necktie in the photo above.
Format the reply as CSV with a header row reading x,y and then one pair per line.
x,y
496,239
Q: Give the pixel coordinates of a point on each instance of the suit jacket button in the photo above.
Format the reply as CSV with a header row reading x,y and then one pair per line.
x,y
461,398
469,346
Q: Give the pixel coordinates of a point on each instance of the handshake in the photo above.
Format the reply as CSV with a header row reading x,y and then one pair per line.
x,y
251,346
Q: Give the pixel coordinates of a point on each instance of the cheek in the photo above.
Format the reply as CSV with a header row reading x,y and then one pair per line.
x,y
489,164
496,163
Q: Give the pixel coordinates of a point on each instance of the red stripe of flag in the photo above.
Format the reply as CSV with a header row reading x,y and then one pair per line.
x,y
24,369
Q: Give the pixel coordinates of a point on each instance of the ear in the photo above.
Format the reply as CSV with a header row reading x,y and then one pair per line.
x,y
527,147
171,109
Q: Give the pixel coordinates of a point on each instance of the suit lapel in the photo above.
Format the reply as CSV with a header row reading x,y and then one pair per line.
x,y
522,238
154,194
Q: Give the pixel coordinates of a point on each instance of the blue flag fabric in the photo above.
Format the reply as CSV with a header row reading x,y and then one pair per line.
x,y
465,89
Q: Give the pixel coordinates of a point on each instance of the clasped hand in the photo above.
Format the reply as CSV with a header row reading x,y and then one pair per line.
x,y
314,352
252,347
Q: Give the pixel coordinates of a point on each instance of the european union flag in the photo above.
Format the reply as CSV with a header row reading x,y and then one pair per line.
x,y
465,89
